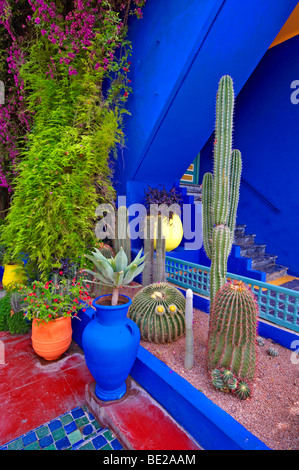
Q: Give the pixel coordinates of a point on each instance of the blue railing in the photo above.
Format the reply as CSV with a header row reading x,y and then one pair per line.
x,y
276,304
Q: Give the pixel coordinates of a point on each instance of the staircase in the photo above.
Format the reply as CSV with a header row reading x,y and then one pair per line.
x,y
193,190
261,261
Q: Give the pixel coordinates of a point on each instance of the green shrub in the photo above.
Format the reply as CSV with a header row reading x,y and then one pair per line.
x,y
5,310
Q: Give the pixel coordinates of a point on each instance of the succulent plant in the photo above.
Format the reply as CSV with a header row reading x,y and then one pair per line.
x,y
243,390
154,270
232,330
273,352
189,342
115,272
158,310
217,379
260,341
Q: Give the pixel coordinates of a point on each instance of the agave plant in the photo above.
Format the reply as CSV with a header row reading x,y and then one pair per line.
x,y
115,272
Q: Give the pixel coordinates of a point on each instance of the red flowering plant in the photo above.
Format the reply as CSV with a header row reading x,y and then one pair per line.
x,y
54,299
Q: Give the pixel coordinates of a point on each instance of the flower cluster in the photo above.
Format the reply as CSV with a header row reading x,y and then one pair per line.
x,y
53,299
14,116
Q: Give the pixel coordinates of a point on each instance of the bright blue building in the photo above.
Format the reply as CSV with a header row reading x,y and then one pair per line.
x,y
180,51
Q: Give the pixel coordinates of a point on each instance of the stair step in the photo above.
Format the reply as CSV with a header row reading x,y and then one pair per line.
x,y
244,240
252,250
239,230
261,262
274,271
138,421
192,188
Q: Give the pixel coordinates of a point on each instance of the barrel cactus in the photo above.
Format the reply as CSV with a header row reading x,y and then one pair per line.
x,y
220,190
233,331
158,310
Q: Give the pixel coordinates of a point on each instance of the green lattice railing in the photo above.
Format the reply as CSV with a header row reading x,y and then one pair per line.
x,y
276,304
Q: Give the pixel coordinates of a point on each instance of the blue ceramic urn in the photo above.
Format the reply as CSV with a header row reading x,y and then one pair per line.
x,y
110,344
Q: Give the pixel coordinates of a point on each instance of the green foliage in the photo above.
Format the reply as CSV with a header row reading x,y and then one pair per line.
x,y
5,311
220,190
232,331
64,172
159,312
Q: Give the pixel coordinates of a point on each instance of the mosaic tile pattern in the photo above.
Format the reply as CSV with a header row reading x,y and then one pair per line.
x,y
75,430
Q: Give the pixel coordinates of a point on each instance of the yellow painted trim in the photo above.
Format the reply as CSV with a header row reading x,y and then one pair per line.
x,y
187,178
282,280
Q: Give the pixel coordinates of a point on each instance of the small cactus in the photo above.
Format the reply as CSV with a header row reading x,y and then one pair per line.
x,y
224,380
243,390
273,352
158,310
260,341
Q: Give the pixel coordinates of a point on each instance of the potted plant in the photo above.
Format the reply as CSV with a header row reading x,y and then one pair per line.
x,y
14,272
111,340
51,306
167,203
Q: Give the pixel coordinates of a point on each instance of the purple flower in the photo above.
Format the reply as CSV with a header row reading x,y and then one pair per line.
x,y
37,20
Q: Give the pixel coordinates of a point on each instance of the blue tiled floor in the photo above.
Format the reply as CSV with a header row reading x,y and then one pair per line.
x,y
75,430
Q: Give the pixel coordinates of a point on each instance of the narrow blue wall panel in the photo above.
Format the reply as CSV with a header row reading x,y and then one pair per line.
x,y
266,131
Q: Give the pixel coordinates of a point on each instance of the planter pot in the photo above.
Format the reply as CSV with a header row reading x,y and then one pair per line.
x,y
110,344
11,276
50,340
172,230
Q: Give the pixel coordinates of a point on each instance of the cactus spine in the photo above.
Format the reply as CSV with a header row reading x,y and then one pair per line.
x,y
189,351
220,191
154,270
158,310
232,334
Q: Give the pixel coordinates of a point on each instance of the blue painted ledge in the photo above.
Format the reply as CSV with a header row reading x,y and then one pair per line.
x,y
211,427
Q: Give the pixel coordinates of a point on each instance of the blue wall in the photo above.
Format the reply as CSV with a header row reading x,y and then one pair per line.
x,y
266,132
179,54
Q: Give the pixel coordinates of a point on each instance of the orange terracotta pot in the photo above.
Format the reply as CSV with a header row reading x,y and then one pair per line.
x,y
50,340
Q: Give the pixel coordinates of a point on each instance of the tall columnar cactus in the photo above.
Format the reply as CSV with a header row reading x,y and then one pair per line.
x,y
220,190
189,351
122,232
154,270
233,331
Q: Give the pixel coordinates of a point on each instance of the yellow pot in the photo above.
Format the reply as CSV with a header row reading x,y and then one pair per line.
x,y
12,275
172,230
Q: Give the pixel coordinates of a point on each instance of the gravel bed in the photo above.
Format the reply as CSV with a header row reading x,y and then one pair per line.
x,y
272,413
